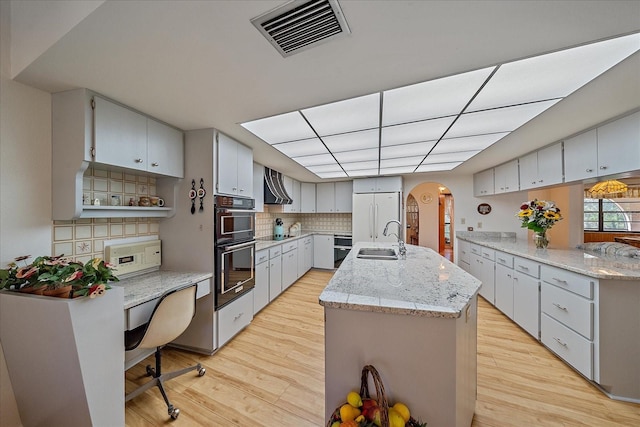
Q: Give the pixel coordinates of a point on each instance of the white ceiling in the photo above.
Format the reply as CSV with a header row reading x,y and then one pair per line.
x,y
197,64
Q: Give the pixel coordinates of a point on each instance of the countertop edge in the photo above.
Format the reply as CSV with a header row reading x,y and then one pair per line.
x,y
440,312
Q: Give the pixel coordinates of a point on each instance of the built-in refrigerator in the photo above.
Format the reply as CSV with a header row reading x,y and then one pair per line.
x,y
371,212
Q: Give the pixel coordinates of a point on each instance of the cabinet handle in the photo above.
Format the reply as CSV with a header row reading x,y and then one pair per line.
x,y
560,307
234,188
138,160
533,182
559,280
541,180
241,190
559,341
155,164
238,316
522,267
603,167
509,276
589,170
502,260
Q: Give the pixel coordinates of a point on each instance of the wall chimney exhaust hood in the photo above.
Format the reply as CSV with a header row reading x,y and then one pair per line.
x,y
274,190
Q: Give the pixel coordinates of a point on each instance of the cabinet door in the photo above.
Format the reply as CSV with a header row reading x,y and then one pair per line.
x,y
325,197
484,270
504,290
275,277
581,156
289,268
344,196
244,170
388,184
293,190
165,149
323,251
483,184
364,185
619,145
307,197
528,171
261,289
526,303
227,165
258,186
308,254
550,165
120,136
506,177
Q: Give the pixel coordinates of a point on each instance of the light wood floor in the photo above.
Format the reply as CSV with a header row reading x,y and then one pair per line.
x,y
272,374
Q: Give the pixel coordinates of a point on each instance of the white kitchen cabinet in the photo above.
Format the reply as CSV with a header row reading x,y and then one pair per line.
x,y
504,290
261,289
289,263
506,177
165,149
619,145
581,156
307,197
482,267
258,186
483,183
464,253
292,187
541,168
323,251
382,184
334,197
344,196
235,167
275,272
526,295
305,255
234,317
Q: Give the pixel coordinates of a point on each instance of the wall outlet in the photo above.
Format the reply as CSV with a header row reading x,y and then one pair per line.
x,y
469,228
479,225
463,221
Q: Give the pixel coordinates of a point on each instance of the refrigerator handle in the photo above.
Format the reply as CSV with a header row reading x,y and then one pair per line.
x,y
371,221
376,217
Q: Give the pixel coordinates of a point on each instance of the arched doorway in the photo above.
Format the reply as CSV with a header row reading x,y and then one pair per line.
x,y
429,215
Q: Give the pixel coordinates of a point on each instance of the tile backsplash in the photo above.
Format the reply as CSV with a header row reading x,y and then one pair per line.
x,y
83,239
265,222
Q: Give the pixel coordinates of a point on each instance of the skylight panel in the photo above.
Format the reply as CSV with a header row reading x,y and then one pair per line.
x,y
436,167
396,170
352,141
364,172
283,128
401,161
499,120
319,159
357,156
406,150
350,167
325,168
306,147
553,75
460,156
427,130
467,143
345,116
436,98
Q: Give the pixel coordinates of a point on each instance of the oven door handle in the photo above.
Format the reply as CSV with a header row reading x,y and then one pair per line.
x,y
239,246
225,210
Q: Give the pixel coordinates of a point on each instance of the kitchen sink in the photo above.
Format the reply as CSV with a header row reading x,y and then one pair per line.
x,y
377,253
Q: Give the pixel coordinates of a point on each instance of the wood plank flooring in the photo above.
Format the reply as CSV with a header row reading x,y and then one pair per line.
x,y
272,374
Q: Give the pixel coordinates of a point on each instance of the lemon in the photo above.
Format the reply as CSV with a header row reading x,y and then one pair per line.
x,y
348,412
395,419
402,409
354,399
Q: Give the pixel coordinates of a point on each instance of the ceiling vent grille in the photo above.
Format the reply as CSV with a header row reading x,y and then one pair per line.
x,y
302,24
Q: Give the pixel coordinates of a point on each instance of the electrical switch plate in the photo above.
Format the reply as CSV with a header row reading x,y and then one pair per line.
x,y
479,225
463,221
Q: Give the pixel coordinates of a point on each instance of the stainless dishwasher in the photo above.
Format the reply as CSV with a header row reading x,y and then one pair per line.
x,y
341,247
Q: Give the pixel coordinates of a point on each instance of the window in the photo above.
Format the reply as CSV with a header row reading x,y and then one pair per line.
x,y
621,215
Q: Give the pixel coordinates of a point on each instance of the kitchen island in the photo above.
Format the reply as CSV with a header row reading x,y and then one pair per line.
x,y
415,320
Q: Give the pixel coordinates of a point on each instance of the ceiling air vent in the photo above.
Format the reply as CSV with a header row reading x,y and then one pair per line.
x,y
301,24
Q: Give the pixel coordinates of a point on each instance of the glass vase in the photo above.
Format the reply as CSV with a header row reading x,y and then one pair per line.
x,y
540,239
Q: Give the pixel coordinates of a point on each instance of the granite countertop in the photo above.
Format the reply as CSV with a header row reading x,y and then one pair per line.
x,y
592,264
423,284
149,286
266,243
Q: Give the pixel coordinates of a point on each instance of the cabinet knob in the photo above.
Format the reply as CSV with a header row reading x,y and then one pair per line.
x,y
138,160
241,190
541,180
603,167
589,170
155,164
234,188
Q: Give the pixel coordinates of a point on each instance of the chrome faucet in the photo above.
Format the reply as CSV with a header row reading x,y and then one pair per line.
x,y
401,248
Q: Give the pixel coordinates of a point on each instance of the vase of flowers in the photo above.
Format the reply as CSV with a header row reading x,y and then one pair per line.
x,y
539,216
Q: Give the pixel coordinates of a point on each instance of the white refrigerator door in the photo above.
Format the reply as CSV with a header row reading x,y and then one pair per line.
x,y
362,218
386,207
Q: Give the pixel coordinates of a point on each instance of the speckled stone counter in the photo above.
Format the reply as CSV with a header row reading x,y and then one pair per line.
x,y
266,243
146,287
591,264
423,284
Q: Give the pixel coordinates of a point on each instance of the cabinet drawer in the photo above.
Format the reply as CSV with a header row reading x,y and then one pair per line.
x,y
504,259
476,249
574,282
572,347
526,266
203,288
289,246
140,314
570,309
234,317
262,256
487,253
275,252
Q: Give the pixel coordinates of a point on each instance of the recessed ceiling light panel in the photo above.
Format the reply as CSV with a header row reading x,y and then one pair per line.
x,y
427,130
406,150
319,159
306,147
353,141
357,155
283,128
467,143
437,167
345,116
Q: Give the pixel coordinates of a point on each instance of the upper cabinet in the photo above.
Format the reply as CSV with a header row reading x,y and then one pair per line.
x,y
541,168
609,149
483,183
307,197
258,186
381,184
88,129
293,190
235,167
506,177
334,197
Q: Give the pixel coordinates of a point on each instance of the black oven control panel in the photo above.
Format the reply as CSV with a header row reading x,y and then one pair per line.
x,y
230,202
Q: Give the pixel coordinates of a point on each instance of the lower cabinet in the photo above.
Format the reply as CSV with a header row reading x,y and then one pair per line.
x,y
289,264
482,266
261,289
526,303
234,317
275,272
464,252
504,290
323,251
305,255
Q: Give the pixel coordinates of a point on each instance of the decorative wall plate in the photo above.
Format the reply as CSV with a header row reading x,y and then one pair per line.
x,y
426,198
484,208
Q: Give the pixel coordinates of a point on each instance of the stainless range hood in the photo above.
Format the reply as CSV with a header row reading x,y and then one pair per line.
x,y
274,190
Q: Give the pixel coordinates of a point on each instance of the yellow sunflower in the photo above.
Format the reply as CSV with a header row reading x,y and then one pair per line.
x,y
525,212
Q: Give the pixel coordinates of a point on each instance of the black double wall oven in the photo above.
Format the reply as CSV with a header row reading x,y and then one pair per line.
x,y
235,247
